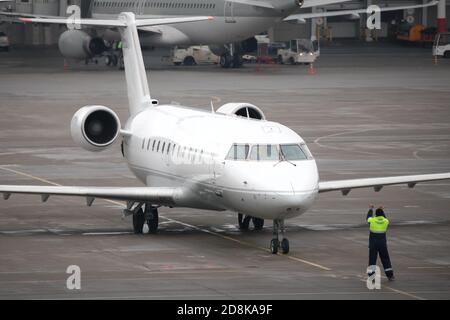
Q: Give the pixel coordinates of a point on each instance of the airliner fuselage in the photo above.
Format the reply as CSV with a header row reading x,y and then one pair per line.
x,y
222,162
232,22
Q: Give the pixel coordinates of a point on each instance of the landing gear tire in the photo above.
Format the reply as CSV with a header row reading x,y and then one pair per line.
x,y
114,60
108,60
280,59
189,61
285,246
447,54
152,218
278,228
237,61
244,221
292,61
138,221
225,61
258,223
274,244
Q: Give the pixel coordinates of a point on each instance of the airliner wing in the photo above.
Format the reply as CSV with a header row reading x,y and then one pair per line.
x,y
161,196
116,23
357,12
269,5
345,186
316,3
26,15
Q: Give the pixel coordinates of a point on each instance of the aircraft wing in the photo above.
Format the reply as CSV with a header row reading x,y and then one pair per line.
x,y
116,23
269,5
345,186
357,12
26,15
161,196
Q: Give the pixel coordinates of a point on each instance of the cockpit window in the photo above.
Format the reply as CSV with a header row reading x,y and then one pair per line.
x,y
292,152
264,152
238,152
269,152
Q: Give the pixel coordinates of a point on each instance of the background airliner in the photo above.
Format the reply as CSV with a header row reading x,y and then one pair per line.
x,y
230,159
230,35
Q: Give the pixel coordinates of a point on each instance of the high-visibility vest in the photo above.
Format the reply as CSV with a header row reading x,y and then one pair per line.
x,y
378,224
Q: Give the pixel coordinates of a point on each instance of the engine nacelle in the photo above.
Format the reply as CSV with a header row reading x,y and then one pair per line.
x,y
77,44
95,128
240,109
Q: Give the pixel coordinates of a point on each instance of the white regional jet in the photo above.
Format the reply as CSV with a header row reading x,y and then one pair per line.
x,y
230,35
232,159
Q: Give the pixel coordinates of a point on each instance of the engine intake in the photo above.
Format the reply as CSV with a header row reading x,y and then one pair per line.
x,y
95,128
77,44
245,110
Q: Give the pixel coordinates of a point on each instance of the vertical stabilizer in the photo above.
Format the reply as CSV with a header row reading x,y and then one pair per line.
x,y
135,74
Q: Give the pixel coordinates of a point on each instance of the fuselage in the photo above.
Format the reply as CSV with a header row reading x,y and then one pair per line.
x,y
174,146
232,22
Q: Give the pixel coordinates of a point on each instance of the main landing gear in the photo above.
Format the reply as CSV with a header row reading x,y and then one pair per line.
x,y
244,222
147,216
278,227
231,58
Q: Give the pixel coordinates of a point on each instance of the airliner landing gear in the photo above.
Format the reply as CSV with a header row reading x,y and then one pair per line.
x,y
152,218
244,222
149,215
138,221
278,227
231,58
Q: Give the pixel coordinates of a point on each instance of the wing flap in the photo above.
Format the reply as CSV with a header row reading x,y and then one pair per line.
x,y
345,186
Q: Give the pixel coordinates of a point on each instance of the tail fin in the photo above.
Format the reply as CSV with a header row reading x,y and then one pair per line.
x,y
136,77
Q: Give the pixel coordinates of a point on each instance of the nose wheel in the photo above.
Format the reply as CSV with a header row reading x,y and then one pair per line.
x,y
275,245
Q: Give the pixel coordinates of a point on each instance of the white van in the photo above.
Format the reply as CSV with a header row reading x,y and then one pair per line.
x,y
194,55
441,46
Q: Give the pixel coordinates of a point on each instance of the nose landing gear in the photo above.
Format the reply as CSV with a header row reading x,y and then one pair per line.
x,y
278,227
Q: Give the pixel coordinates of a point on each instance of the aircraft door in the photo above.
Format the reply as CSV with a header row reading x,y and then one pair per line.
x,y
229,12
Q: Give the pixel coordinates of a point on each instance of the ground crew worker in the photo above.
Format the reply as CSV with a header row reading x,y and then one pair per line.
x,y
378,226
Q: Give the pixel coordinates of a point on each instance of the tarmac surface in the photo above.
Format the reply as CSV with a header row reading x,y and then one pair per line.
x,y
367,112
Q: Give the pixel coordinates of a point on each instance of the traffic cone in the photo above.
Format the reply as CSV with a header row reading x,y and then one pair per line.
x,y
435,60
312,70
66,65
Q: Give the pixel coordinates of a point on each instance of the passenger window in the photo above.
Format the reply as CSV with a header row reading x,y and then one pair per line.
x,y
264,153
238,152
153,146
148,144
157,147
168,148
143,143
164,145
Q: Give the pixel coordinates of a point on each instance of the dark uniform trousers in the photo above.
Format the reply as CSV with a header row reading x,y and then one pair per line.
x,y
378,246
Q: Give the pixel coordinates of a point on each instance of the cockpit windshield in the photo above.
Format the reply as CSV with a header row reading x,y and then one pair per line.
x,y
269,152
